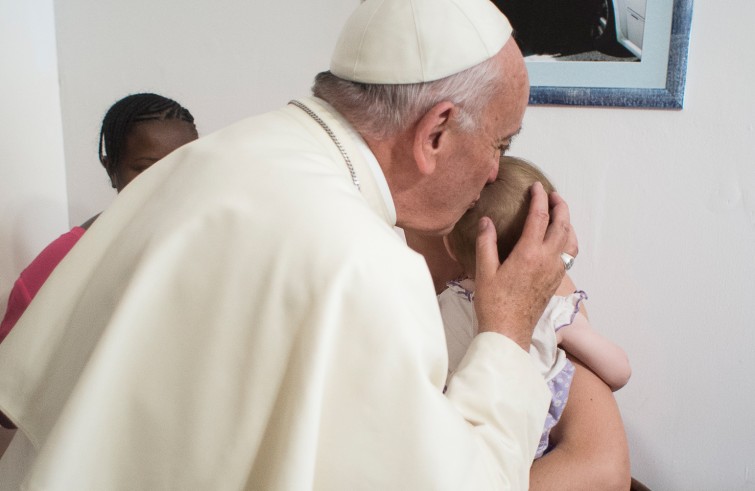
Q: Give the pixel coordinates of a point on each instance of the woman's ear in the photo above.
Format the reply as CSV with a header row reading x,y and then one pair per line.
x,y
105,161
431,135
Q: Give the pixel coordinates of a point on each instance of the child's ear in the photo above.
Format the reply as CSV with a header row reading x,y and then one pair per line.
x,y
431,135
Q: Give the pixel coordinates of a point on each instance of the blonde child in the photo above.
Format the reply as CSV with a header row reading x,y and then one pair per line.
x,y
564,323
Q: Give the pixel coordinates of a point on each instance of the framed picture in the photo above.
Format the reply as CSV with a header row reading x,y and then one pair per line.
x,y
628,53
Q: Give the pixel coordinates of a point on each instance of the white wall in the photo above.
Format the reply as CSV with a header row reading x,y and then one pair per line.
x,y
664,205
32,171
223,60
664,201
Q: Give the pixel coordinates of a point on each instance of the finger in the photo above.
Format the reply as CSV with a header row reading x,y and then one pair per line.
x,y
572,243
571,246
554,199
559,234
487,261
537,219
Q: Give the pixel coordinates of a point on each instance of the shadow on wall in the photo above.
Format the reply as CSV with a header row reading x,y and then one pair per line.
x,y
645,481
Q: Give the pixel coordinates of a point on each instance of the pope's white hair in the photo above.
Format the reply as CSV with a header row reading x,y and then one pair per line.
x,y
382,110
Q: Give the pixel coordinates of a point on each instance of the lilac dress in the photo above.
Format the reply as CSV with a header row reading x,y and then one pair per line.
x,y
460,323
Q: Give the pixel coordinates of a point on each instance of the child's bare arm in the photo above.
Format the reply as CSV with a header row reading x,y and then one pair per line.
x,y
602,356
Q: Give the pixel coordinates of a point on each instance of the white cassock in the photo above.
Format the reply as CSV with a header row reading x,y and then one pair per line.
x,y
242,317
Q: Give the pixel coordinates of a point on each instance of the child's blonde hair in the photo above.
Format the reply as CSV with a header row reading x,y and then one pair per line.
x,y
506,201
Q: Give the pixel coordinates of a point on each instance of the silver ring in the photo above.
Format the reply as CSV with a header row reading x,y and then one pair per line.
x,y
568,260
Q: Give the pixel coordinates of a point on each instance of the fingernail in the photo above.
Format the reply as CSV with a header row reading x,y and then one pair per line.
x,y
482,224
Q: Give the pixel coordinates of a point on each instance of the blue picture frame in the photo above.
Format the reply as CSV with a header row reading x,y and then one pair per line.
x,y
560,82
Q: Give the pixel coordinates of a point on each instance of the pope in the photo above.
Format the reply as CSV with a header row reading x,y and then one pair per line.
x,y
245,316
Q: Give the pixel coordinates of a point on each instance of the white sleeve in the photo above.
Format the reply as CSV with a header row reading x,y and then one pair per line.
x,y
505,399
387,402
318,371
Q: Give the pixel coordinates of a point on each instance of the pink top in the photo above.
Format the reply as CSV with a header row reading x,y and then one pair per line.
x,y
33,277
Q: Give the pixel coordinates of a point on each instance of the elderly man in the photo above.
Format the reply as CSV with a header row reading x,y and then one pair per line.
x,y
244,316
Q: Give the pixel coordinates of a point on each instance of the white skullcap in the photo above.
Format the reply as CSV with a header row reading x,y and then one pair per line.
x,y
410,41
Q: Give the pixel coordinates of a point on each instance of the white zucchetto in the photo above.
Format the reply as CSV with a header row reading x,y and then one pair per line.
x,y
411,41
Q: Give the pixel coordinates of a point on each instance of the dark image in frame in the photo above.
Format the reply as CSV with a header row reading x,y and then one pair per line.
x,y
626,53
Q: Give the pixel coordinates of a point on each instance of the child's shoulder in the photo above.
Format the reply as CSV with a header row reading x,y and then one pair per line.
x,y
561,310
461,287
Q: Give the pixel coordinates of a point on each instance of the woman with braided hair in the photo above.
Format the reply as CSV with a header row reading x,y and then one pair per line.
x,y
137,131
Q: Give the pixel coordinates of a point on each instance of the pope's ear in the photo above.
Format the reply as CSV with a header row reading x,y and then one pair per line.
x,y
431,135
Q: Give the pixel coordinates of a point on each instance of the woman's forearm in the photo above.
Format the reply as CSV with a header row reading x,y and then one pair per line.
x,y
591,449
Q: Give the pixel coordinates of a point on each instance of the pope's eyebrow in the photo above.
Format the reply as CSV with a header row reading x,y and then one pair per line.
x,y
506,141
512,136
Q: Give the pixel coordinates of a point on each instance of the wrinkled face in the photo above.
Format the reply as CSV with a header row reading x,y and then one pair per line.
x,y
148,142
473,162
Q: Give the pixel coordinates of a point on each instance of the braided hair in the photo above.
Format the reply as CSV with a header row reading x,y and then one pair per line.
x,y
128,111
